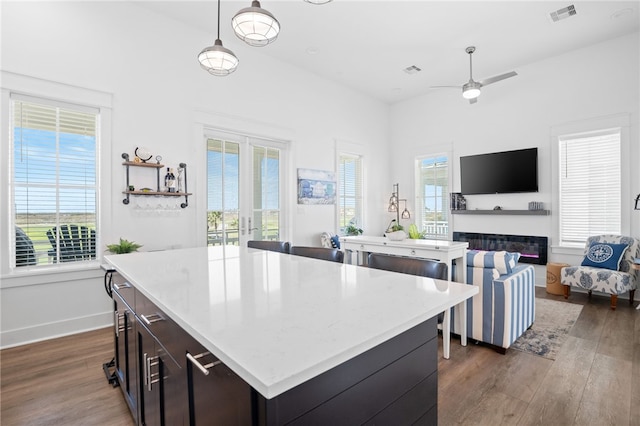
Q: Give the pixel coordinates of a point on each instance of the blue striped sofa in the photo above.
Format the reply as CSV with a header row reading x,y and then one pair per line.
x,y
505,306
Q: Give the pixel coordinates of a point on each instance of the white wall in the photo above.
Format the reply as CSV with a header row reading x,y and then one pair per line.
x,y
520,112
161,97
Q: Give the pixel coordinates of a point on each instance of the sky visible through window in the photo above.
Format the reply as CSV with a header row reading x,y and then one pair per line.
x,y
39,168
231,181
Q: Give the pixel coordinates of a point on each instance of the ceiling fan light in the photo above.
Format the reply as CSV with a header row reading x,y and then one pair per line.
x,y
471,90
218,60
255,26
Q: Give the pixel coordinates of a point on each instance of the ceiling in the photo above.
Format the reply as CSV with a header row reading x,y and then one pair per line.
x,y
366,45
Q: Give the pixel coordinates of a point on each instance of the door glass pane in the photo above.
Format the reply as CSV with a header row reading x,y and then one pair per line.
x,y
266,194
432,198
223,191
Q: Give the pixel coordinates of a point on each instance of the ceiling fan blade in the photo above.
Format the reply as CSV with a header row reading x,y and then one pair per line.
x,y
473,101
491,80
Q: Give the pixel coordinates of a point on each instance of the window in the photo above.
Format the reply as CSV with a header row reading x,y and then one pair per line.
x,y
589,185
432,183
349,191
53,181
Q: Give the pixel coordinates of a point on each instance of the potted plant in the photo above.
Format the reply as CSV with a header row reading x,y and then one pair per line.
x,y
351,229
124,246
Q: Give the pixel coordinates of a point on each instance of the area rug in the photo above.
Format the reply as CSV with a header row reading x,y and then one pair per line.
x,y
550,329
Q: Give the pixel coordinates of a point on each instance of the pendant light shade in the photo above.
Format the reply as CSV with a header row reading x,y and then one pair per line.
x,y
318,1
255,26
217,59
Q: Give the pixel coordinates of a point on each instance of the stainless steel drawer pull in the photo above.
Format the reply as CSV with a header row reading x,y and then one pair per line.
x,y
123,285
150,319
149,362
203,368
116,323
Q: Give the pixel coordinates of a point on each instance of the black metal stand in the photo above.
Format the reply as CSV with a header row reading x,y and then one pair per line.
x,y
111,376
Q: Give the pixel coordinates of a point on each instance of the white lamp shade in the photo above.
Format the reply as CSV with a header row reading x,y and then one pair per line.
x,y
317,1
218,60
255,26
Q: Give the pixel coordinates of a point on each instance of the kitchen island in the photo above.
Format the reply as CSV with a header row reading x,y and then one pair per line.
x,y
291,339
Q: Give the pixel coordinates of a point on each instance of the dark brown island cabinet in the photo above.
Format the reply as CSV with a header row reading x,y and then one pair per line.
x,y
168,378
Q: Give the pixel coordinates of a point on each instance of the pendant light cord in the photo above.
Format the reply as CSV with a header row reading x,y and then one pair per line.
x,y
218,19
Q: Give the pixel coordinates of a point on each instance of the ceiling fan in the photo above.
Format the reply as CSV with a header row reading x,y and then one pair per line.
x,y
471,89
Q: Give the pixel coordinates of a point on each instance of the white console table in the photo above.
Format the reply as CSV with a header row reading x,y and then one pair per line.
x,y
440,250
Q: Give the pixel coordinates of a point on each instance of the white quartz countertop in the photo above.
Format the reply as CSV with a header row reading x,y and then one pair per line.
x,y
278,320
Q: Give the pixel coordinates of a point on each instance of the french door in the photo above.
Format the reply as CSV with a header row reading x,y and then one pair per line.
x,y
244,189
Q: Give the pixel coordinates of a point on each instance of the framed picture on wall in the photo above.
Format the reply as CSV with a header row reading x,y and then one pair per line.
x,y
316,187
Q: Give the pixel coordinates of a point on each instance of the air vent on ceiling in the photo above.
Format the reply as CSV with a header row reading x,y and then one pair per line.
x,y
563,13
412,69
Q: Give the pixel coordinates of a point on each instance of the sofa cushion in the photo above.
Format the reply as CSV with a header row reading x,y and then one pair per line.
x,y
604,255
502,261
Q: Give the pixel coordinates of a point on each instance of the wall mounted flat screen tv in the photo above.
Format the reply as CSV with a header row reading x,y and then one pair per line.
x,y
500,172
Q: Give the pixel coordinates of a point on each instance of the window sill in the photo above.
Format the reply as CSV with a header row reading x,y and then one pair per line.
x,y
19,277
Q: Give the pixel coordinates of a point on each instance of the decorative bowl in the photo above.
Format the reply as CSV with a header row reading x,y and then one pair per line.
x,y
396,235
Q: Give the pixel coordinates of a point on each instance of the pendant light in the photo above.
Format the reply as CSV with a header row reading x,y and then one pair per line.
x,y
255,26
318,1
216,59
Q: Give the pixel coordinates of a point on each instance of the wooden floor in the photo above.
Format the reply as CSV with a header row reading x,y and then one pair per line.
x,y
595,379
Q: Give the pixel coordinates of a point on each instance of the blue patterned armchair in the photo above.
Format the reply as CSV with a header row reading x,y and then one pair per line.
x,y
505,306
603,269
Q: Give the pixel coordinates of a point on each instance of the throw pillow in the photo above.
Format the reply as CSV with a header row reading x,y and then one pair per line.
x,y
335,242
503,261
604,255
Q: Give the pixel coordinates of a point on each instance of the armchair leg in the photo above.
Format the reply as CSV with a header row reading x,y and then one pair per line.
x,y
614,301
566,291
632,294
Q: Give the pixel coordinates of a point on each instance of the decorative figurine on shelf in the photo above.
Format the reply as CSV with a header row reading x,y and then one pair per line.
x,y
158,159
132,188
137,159
180,171
143,154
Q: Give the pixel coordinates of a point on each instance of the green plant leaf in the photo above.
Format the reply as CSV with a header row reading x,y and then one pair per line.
x,y
124,246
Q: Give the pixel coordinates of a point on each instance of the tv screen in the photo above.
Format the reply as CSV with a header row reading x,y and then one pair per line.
x,y
500,172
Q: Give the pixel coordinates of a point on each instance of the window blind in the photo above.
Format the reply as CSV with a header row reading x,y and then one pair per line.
x,y
350,190
590,186
53,176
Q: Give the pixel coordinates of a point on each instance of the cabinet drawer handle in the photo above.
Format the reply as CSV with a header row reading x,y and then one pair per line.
x,y
150,319
203,368
413,252
123,285
150,361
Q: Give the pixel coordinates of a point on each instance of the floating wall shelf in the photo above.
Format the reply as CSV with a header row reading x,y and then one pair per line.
x,y
156,166
505,212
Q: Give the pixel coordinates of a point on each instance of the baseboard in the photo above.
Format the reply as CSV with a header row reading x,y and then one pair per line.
x,y
37,333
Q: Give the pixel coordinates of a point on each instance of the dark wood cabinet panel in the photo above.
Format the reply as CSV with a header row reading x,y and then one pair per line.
x,y
169,378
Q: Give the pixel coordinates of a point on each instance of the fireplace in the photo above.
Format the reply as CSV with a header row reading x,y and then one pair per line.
x,y
531,249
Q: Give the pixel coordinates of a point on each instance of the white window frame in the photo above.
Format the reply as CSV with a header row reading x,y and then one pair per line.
x,y
358,198
618,121
419,199
19,84
345,147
